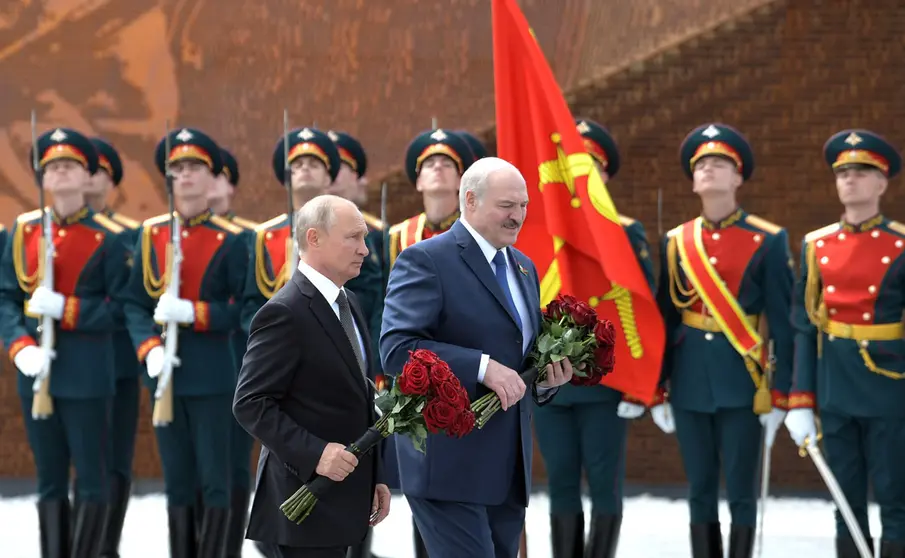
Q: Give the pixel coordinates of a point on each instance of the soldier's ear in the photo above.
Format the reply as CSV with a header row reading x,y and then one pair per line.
x,y
884,183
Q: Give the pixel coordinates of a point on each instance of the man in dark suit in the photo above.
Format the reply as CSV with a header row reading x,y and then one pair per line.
x,y
470,297
303,392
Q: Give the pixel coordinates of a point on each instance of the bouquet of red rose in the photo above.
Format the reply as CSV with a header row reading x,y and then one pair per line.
x,y
570,329
426,397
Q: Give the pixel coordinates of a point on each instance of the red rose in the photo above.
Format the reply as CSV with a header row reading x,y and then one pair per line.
x,y
438,415
583,315
424,356
463,424
554,311
449,391
440,372
464,402
592,378
414,379
605,333
605,358
568,302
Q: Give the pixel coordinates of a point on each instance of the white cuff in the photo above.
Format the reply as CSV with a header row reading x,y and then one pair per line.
x,y
482,368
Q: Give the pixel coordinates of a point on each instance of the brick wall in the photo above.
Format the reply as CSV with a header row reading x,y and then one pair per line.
x,y
788,75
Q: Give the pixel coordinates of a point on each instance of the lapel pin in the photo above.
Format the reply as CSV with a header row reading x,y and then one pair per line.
x,y
522,270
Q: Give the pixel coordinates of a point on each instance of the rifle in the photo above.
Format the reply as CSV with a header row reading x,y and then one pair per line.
x,y
163,405
385,233
292,244
42,404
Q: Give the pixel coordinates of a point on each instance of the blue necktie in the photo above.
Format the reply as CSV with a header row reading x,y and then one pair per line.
x,y
499,264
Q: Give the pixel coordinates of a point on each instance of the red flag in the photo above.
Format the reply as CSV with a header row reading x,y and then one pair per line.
x,y
572,232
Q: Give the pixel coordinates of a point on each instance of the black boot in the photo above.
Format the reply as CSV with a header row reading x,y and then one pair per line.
x,y
420,549
604,536
181,521
845,548
706,540
889,549
53,519
362,550
199,515
89,529
116,515
567,535
238,515
213,533
741,541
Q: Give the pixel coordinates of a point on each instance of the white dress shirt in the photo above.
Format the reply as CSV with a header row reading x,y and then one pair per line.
x,y
331,291
518,297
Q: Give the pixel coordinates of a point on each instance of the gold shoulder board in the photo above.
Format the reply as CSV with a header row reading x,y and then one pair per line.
x,y
763,224
29,216
821,232
897,227
226,224
270,223
108,223
125,221
156,220
373,221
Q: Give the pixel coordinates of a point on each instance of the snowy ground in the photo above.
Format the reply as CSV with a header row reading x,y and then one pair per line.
x,y
652,526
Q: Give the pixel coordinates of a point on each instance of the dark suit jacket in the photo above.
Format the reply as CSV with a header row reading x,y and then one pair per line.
x,y
443,296
300,388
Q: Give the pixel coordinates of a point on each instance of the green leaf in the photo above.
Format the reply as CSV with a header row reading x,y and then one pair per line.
x,y
555,329
390,424
385,402
400,403
545,343
556,358
570,335
420,406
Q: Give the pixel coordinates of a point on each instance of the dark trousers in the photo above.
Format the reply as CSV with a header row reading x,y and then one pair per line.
x,y
76,433
728,437
456,529
588,436
859,450
194,449
123,426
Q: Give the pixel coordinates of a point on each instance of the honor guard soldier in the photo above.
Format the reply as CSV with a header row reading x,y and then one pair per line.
x,y
434,163
220,199
849,352
194,439
476,146
581,429
72,311
725,288
313,165
124,409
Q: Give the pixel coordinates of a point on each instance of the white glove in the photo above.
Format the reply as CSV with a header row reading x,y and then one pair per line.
x,y
172,309
29,360
154,361
771,422
629,411
801,425
45,302
662,415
